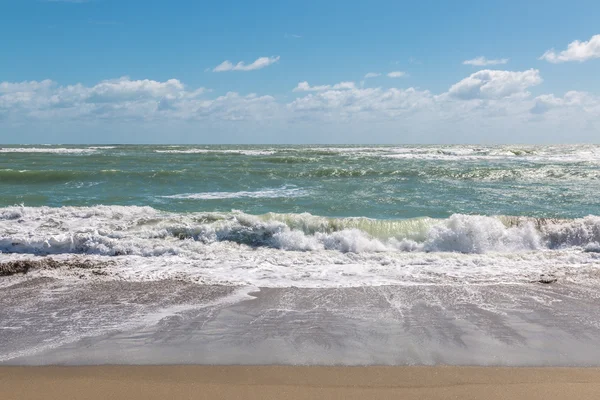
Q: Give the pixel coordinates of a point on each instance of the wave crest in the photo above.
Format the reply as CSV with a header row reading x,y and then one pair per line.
x,y
144,231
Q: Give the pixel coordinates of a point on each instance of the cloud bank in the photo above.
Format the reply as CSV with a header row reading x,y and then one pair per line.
x,y
488,105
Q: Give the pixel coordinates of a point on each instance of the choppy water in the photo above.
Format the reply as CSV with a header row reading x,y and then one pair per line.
x,y
305,215
377,182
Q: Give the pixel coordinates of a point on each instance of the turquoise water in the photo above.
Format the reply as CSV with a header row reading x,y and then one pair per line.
x,y
309,216
383,182
417,232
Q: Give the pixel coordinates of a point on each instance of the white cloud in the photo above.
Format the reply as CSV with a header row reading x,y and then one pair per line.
x,y
492,101
259,63
495,84
576,51
305,87
26,86
396,74
372,75
124,89
124,98
482,61
362,103
581,100
236,107
485,94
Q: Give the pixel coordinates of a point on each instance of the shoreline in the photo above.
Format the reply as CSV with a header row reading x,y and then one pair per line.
x,y
46,322
298,382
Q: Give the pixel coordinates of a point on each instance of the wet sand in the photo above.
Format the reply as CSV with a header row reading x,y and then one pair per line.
x,y
58,341
49,322
289,382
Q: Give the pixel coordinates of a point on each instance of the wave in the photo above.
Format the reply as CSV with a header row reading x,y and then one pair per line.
x,y
490,174
56,150
558,153
219,151
25,177
289,159
535,154
259,194
144,231
278,154
523,174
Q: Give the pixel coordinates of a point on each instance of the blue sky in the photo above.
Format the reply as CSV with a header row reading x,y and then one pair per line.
x,y
146,71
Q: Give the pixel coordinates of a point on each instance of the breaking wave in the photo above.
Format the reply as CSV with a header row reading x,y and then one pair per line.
x,y
56,150
479,174
144,231
219,151
276,193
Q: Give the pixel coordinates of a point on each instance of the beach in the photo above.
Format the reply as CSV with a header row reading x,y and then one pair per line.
x,y
299,200
53,322
299,272
129,340
289,382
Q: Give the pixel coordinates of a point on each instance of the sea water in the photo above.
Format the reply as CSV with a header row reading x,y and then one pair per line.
x,y
305,216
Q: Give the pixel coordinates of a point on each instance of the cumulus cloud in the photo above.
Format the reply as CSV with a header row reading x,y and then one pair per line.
x,y
127,98
396,74
481,61
576,51
235,107
486,94
362,103
305,87
372,75
581,100
259,63
486,99
25,86
495,84
124,89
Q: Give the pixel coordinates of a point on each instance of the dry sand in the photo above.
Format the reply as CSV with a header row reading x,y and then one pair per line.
x,y
283,382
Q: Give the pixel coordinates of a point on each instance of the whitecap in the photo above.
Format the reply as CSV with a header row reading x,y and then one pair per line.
x,y
264,193
56,150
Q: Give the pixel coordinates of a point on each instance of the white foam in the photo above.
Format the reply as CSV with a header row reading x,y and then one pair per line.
x,y
265,193
231,264
217,151
57,150
149,316
300,249
557,154
479,234
146,231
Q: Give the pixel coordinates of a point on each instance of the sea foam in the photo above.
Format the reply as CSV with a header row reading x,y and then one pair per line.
x,y
118,230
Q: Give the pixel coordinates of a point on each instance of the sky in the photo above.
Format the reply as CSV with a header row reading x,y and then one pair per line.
x,y
327,71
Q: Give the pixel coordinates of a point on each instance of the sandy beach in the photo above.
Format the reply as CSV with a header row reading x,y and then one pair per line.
x,y
50,322
292,382
64,341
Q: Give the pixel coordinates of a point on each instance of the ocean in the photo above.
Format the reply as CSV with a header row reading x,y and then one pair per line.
x,y
310,216
476,255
